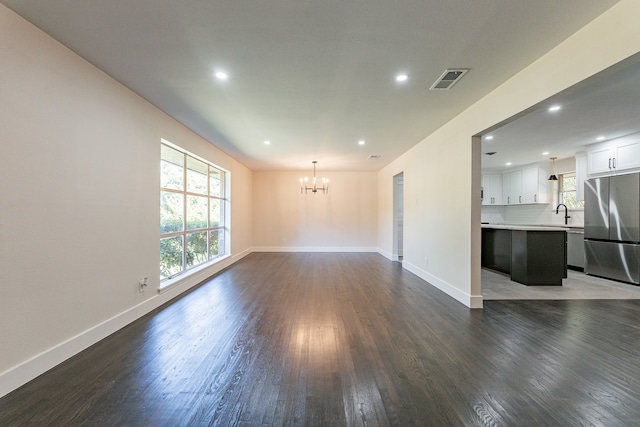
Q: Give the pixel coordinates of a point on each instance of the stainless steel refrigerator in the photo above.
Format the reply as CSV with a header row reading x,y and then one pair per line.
x,y
612,227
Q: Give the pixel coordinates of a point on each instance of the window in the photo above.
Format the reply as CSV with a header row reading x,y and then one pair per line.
x,y
567,191
192,207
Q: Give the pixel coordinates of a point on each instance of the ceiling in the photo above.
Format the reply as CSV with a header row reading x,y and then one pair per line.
x,y
313,77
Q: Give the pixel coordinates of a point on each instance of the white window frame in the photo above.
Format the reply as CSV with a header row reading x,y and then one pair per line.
x,y
561,190
222,228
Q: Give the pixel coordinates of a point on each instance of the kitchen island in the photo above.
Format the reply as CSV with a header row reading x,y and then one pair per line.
x,y
531,255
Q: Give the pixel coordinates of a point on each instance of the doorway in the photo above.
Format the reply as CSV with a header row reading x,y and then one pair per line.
x,y
398,216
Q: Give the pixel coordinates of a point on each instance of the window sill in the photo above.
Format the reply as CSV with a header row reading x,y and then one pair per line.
x,y
168,284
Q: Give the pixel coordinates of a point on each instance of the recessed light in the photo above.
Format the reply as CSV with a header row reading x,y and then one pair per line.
x,y
221,75
267,143
488,137
402,77
554,108
361,142
546,153
508,164
600,138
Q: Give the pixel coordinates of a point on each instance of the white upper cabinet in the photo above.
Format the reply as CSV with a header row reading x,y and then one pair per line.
x,y
519,187
621,154
491,189
628,155
581,175
506,188
516,187
526,186
512,188
599,160
534,185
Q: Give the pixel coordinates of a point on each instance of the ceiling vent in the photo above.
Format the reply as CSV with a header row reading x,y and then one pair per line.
x,y
374,156
449,78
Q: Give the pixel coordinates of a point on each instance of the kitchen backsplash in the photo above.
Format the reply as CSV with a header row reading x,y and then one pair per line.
x,y
493,214
530,215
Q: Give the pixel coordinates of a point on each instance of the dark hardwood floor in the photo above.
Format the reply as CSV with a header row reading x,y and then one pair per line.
x,y
346,339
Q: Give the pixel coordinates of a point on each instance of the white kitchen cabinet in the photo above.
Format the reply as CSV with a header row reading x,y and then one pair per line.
x,y
512,188
627,155
506,188
516,187
491,189
581,175
599,159
534,186
612,156
526,186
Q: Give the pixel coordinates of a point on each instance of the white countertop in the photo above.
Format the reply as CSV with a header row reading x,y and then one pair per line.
x,y
522,227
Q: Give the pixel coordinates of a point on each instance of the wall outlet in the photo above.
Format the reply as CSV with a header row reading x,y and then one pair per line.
x,y
426,262
143,284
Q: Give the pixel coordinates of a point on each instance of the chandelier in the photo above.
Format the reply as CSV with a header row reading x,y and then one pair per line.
x,y
314,189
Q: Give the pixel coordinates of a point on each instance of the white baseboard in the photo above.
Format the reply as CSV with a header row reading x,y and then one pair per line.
x,y
471,301
314,249
24,372
387,255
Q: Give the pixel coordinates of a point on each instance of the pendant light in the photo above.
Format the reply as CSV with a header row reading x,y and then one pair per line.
x,y
553,176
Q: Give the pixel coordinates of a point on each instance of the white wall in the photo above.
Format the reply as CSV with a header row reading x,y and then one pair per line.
x,y
79,222
442,213
343,220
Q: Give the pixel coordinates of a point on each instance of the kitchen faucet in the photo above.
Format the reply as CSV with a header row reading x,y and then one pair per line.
x,y
566,212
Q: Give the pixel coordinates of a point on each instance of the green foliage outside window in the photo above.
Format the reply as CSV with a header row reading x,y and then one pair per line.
x,y
191,212
196,248
171,212
215,238
170,256
567,189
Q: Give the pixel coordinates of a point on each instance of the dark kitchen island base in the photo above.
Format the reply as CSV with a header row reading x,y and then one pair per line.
x,y
538,255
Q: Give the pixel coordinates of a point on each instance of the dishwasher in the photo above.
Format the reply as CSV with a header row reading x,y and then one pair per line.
x,y
575,249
